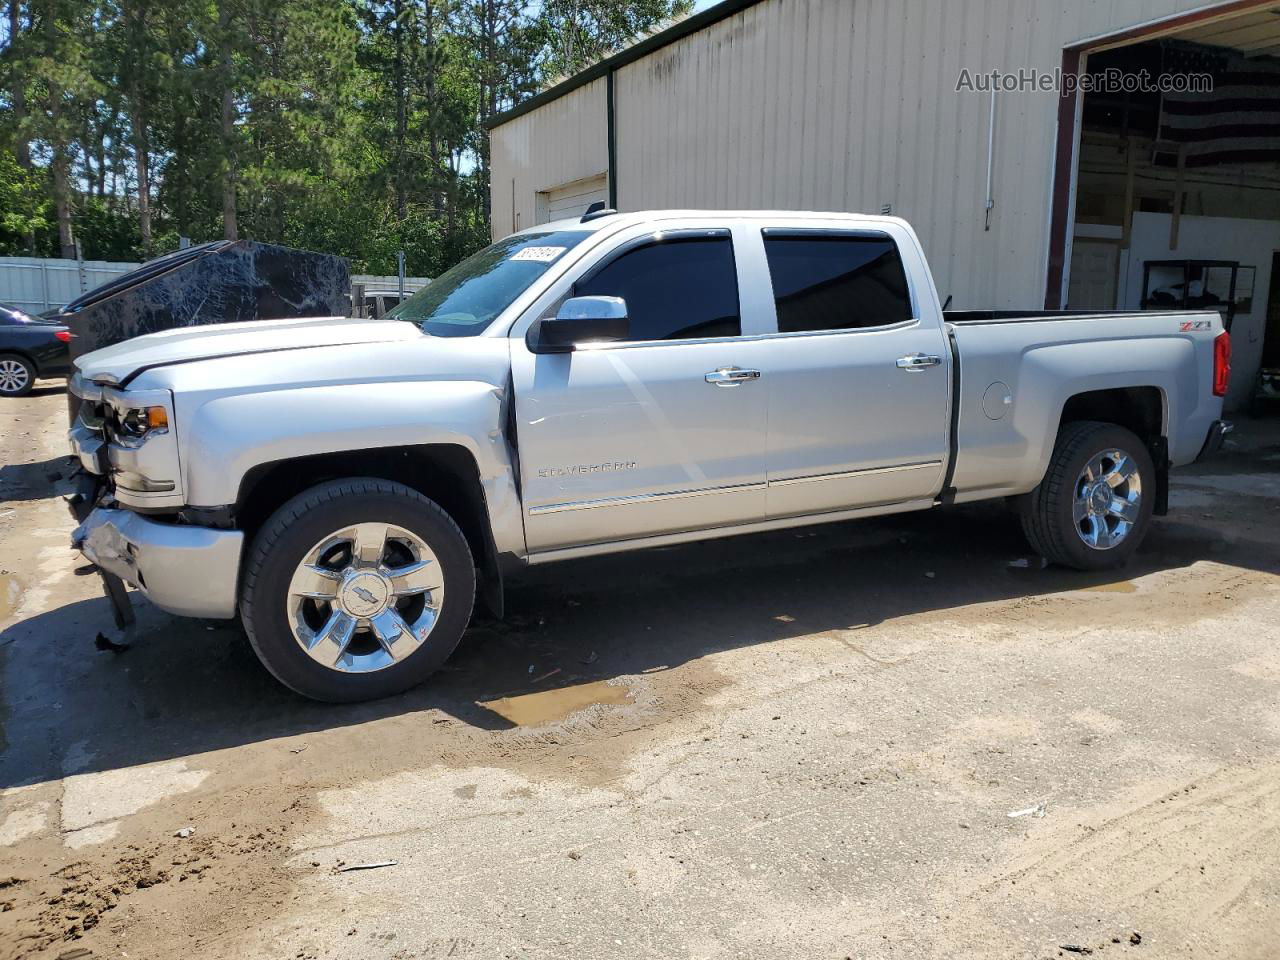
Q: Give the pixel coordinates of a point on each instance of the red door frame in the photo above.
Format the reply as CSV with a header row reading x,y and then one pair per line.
x,y
1064,159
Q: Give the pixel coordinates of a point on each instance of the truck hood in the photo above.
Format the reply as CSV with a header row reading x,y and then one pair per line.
x,y
119,363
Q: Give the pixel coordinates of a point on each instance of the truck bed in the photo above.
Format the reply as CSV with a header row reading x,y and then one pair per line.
x,y
1016,371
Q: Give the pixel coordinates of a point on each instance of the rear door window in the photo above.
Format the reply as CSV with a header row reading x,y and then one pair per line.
x,y
836,281
677,288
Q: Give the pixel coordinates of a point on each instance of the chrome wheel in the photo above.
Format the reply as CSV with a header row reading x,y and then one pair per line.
x,y
365,597
14,376
1108,499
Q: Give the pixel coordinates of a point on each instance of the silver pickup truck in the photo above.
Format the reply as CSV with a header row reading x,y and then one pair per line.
x,y
349,487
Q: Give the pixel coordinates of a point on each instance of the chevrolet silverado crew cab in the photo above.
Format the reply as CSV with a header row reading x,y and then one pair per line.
x,y
347,488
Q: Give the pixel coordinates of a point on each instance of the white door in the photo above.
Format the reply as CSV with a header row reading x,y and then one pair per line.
x,y
859,382
573,199
646,437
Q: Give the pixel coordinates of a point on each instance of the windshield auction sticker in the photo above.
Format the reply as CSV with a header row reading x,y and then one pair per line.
x,y
538,254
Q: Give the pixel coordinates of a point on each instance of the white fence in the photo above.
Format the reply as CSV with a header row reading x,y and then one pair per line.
x,y
35,284
372,297
411,284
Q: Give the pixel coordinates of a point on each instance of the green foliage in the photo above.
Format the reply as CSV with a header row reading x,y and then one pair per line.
x,y
577,33
354,126
25,209
107,231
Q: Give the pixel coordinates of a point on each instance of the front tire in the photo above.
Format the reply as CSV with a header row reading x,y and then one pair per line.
x,y
357,589
17,375
1094,505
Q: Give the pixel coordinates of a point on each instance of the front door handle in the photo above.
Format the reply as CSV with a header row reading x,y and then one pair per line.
x,y
918,362
731,376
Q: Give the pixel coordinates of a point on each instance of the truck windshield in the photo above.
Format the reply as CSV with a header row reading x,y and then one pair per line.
x,y
465,299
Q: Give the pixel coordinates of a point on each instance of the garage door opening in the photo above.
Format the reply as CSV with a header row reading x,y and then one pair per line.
x,y
571,199
1176,198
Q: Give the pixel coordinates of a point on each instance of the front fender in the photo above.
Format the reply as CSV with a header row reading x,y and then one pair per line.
x,y
226,437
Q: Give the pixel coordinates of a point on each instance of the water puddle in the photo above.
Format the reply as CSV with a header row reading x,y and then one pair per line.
x,y
550,706
1123,586
9,594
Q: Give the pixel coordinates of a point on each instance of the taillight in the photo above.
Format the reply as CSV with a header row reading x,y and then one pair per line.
x,y
1221,363
64,336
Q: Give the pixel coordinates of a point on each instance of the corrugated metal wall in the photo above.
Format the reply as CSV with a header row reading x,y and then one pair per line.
x,y
837,105
563,141
37,284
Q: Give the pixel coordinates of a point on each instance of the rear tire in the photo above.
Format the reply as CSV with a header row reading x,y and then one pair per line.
x,y
17,375
1093,507
357,589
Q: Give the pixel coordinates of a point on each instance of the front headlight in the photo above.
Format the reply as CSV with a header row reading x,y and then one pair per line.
x,y
142,448
140,423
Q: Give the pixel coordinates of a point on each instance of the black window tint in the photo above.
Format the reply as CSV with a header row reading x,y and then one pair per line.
x,y
836,282
675,290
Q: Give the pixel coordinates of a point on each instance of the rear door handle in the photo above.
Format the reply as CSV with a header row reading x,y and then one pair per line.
x,y
731,376
918,362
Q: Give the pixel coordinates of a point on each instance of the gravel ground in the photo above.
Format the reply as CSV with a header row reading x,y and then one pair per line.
x,y
896,738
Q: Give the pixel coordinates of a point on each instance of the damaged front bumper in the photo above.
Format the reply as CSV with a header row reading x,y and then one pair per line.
x,y
187,570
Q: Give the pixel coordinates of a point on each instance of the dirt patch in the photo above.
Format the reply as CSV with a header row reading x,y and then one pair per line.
x,y
1173,859
93,900
128,891
552,706
10,594
1122,586
1175,596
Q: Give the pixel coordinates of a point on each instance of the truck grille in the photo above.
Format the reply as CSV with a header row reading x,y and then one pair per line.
x,y
89,430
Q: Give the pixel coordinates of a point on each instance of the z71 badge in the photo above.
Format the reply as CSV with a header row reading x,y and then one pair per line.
x,y
1189,326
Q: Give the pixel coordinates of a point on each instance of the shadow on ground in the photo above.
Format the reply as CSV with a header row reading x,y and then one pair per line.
x,y
186,687
48,389
21,482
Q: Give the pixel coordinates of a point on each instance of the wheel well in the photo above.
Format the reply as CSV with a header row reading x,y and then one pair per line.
x,y
446,473
1140,409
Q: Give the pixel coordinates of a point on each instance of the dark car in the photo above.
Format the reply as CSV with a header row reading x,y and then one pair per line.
x,y
30,348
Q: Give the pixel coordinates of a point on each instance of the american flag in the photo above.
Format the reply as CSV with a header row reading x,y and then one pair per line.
x,y
1238,121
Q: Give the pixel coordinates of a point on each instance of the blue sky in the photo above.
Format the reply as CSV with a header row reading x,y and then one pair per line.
x,y
703,4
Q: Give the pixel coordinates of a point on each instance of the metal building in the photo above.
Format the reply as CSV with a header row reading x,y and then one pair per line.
x,y
1023,198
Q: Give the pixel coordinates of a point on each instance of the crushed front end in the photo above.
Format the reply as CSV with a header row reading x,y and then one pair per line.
x,y
129,506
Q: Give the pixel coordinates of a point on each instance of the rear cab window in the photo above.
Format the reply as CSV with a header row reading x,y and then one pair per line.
x,y
834,281
680,286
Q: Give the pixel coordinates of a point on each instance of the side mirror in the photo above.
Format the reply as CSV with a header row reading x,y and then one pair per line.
x,y
580,320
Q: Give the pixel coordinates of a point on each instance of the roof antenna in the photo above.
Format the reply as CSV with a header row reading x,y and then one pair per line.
x,y
596,211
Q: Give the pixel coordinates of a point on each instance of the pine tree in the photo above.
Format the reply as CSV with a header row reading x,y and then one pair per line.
x,y
352,126
580,32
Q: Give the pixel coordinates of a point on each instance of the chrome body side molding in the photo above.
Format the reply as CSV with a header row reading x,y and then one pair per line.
x,y
845,474
641,498
734,488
